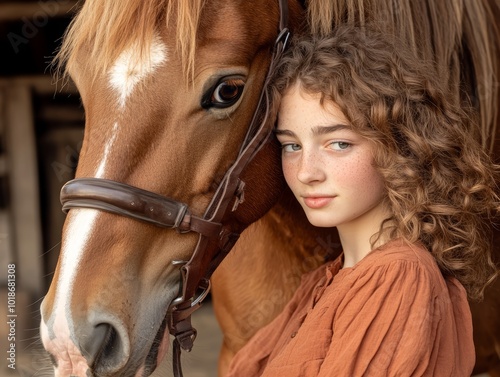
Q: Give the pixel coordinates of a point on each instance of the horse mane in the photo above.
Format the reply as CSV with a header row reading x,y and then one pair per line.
x,y
103,29
445,32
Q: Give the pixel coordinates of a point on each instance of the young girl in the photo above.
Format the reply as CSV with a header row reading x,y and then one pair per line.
x,y
372,146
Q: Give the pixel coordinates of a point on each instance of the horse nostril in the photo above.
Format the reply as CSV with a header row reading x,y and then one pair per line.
x,y
110,345
104,348
92,343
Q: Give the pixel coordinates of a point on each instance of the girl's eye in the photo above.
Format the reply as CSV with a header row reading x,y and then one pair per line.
x,y
340,145
290,147
224,94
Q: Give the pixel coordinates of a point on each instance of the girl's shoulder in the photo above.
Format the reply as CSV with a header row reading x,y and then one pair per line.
x,y
402,253
403,264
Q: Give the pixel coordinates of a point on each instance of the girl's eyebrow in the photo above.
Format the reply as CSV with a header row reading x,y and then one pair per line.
x,y
316,130
283,132
323,130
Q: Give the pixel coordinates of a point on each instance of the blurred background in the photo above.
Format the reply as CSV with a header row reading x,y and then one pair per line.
x,y
41,128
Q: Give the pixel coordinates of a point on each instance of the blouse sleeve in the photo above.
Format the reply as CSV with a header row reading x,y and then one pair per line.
x,y
392,323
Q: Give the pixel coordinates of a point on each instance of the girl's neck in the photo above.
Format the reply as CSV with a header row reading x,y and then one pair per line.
x,y
357,236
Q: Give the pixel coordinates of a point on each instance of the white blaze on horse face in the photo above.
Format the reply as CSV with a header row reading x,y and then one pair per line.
x,y
79,229
131,68
57,330
102,165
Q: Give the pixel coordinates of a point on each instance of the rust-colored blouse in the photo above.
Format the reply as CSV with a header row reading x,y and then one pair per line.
x,y
392,314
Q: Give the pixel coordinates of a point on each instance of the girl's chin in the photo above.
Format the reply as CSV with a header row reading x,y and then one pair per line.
x,y
320,221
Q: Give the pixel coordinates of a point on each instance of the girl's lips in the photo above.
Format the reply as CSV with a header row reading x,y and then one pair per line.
x,y
316,202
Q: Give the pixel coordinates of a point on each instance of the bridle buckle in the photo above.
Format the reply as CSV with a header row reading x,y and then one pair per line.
x,y
282,39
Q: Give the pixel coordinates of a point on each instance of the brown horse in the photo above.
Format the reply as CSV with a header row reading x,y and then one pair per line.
x,y
169,88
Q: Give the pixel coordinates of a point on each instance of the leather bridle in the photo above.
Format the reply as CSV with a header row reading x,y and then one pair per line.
x,y
135,203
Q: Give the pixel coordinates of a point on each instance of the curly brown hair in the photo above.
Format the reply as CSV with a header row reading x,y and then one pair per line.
x,y
441,185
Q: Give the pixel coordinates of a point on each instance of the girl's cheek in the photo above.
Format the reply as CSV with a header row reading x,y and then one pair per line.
x,y
288,171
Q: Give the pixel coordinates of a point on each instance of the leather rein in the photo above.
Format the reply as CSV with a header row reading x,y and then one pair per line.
x,y
129,201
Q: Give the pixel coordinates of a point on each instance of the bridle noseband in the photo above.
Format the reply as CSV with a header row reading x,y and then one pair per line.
x,y
135,203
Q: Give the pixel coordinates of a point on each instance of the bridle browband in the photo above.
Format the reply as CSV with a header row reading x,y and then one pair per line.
x,y
138,204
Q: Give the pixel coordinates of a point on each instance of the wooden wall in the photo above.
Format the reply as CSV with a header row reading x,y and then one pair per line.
x,y
41,126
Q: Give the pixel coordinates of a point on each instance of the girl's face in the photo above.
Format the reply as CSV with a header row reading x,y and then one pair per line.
x,y
328,166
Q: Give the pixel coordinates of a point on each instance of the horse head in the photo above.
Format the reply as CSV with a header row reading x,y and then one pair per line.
x,y
169,89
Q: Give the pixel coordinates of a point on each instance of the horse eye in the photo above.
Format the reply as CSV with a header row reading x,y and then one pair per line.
x,y
225,93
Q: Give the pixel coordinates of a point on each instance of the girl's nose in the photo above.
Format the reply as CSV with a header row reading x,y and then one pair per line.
x,y
310,169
